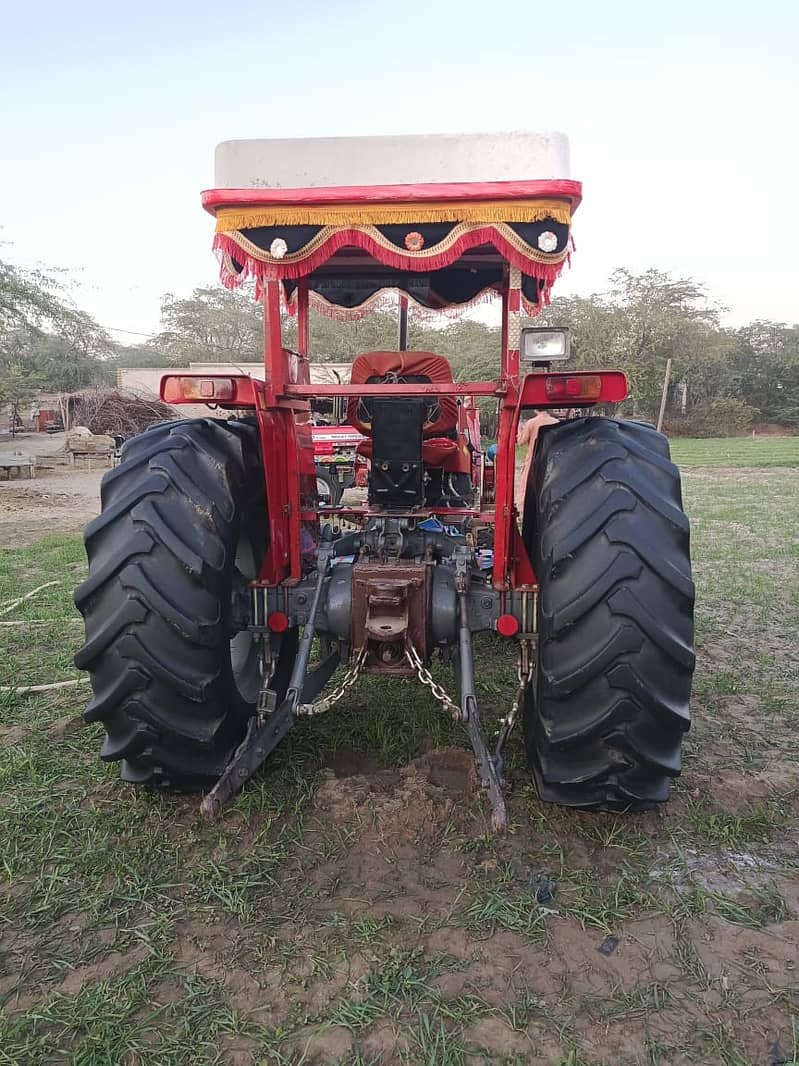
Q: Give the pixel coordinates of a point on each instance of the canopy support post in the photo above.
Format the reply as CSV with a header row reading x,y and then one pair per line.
x,y
274,364
402,335
504,339
303,322
512,324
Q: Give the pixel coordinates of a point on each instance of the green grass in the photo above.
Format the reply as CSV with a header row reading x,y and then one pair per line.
x,y
735,451
373,919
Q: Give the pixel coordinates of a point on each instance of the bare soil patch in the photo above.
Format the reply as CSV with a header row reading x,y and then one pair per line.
x,y
60,500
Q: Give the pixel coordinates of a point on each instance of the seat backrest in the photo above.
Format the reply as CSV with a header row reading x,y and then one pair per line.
x,y
404,368
397,473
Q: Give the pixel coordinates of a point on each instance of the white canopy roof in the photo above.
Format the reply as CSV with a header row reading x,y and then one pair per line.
x,y
335,161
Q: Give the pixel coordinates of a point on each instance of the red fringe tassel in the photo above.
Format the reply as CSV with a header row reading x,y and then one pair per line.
x,y
228,248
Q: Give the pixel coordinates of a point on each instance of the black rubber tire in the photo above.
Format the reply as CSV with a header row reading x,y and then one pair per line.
x,y
334,490
609,540
158,601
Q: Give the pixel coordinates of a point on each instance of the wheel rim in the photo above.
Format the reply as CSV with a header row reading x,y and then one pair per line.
x,y
243,649
324,492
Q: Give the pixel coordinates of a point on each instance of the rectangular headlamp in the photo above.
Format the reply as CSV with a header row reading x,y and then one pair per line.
x,y
544,345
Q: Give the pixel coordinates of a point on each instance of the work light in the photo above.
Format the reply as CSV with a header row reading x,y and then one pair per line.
x,y
544,345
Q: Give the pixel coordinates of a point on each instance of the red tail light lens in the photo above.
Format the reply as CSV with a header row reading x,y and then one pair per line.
x,y
573,387
204,390
579,388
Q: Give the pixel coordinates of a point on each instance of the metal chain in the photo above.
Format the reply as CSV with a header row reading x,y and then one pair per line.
x,y
525,671
352,675
349,679
424,675
514,707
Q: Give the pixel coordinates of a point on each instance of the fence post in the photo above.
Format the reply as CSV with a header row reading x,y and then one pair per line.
x,y
666,377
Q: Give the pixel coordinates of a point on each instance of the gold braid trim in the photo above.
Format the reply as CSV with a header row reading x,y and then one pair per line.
x,y
527,250
383,297
452,238
227,262
229,218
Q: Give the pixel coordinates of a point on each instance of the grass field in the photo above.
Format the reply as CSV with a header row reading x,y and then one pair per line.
x,y
736,451
350,906
755,453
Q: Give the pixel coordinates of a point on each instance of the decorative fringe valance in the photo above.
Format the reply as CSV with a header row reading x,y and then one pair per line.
x,y
258,263
237,265
376,214
386,300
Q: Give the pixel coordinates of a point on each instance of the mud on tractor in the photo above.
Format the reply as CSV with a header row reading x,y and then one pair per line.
x,y
214,573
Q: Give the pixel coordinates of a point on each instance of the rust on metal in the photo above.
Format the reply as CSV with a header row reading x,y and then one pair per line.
x,y
389,609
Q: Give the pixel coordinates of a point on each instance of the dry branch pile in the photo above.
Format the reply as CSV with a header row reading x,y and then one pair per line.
x,y
115,413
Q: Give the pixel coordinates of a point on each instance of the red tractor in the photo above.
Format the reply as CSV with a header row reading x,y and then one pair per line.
x,y
213,573
338,464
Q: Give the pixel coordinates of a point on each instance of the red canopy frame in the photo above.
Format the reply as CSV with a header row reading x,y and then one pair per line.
x,y
286,396
517,231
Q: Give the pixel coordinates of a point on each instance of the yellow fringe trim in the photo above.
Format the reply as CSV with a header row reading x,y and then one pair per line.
x,y
230,218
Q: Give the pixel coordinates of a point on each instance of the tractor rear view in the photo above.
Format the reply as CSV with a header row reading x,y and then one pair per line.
x,y
215,570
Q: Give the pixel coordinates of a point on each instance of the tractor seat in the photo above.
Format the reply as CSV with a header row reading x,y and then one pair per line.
x,y
403,368
435,450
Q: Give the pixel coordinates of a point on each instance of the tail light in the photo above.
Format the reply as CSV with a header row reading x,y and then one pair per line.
x,y
579,387
571,387
185,388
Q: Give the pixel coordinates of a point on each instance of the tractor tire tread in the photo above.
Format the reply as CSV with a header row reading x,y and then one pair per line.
x,y
154,600
605,718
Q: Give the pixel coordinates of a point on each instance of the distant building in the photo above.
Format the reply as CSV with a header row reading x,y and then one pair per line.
x,y
46,409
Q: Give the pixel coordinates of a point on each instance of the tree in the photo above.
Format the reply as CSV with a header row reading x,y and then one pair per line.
x,y
18,387
44,339
78,355
472,347
27,299
61,366
136,355
764,365
212,325
332,339
641,321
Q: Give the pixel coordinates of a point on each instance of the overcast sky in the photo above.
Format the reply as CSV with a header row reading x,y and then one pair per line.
x,y
682,116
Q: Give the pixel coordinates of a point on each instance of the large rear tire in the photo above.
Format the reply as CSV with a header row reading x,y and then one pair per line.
x,y
605,527
174,671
